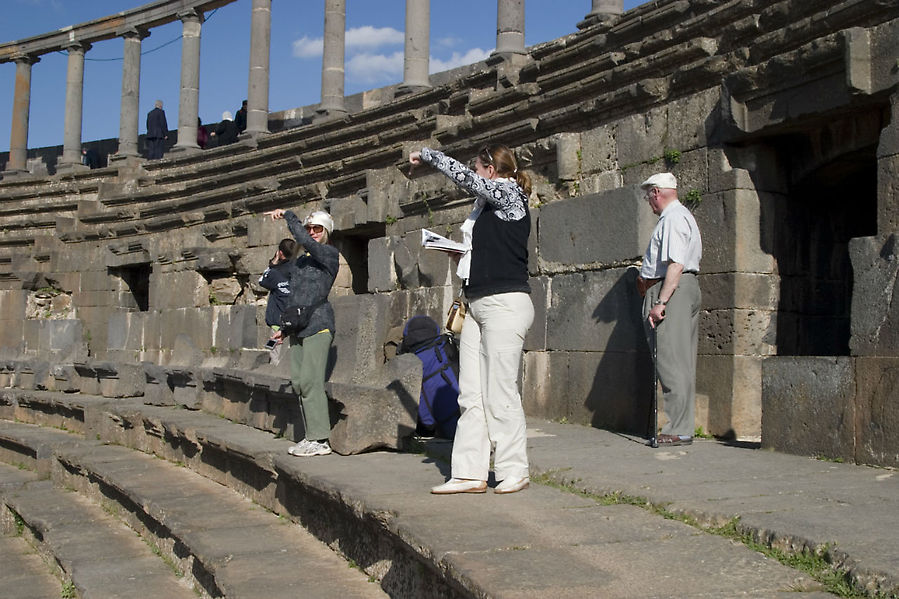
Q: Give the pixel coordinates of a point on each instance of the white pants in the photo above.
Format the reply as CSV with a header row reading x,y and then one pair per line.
x,y
489,359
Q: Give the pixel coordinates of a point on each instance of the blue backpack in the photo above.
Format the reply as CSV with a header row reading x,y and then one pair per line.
x,y
438,406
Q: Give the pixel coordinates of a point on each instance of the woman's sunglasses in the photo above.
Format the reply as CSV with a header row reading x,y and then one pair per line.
x,y
314,228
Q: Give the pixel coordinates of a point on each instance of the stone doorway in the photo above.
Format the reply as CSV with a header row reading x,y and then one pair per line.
x,y
826,208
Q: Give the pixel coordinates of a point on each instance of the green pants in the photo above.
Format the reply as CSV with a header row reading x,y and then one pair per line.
x,y
308,362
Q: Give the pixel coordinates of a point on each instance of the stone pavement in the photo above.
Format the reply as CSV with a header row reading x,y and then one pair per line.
x,y
548,541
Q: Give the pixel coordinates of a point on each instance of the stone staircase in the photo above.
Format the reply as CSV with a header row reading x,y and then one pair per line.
x,y
130,497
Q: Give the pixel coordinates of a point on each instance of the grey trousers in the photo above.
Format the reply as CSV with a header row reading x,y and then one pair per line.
x,y
677,337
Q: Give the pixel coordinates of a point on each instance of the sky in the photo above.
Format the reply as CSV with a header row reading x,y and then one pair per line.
x,y
462,32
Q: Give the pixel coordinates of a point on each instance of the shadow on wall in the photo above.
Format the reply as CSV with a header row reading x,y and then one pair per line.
x,y
622,387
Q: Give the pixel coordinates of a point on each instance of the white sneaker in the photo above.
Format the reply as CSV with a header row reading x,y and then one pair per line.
x,y
512,485
312,448
298,447
460,485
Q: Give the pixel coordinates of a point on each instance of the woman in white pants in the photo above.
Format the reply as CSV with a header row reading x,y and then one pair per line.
x,y
494,274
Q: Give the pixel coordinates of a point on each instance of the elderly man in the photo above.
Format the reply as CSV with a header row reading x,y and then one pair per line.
x,y
671,308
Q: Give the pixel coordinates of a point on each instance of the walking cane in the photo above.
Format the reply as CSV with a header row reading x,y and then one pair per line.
x,y
653,440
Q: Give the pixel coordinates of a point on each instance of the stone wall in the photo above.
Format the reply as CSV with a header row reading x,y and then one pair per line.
x,y
760,108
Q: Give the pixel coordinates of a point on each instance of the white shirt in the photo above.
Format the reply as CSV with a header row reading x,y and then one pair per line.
x,y
675,238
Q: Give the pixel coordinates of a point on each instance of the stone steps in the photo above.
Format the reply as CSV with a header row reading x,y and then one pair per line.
x,y
25,575
224,544
98,554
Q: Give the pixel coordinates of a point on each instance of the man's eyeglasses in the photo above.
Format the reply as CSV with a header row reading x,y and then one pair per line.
x,y
314,228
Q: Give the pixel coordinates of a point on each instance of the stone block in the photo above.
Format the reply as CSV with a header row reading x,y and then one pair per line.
x,y
543,375
641,137
123,380
348,212
610,389
736,236
692,120
362,323
235,326
12,304
874,314
386,188
381,271
599,153
97,280
595,311
377,417
568,156
807,405
194,324
183,289
435,269
106,299
888,190
753,291
739,332
224,290
877,411
604,228
405,261
536,337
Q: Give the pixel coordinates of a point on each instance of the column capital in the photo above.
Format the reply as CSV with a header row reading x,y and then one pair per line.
x,y
138,33
78,46
26,59
191,15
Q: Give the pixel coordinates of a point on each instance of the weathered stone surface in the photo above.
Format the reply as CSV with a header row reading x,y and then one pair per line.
x,y
184,289
874,315
596,311
381,271
876,411
738,332
756,291
735,237
604,228
807,405
370,417
641,137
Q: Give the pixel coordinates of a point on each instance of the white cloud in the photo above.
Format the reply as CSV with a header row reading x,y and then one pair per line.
x,y
306,47
375,68
357,39
373,37
458,59
449,42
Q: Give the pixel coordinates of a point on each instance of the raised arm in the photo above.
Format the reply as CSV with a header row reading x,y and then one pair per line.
x,y
502,194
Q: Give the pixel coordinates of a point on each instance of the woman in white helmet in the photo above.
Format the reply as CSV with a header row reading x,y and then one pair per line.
x,y
311,278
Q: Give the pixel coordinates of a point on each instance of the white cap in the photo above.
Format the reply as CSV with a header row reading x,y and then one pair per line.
x,y
320,217
660,180
226,116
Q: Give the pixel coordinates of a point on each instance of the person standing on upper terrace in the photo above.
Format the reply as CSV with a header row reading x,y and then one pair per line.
x,y
311,278
494,275
671,310
157,131
226,131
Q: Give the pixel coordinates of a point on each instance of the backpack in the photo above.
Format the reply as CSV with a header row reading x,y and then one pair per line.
x,y
438,406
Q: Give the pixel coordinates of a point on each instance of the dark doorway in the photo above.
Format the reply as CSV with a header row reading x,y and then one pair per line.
x,y
827,208
137,280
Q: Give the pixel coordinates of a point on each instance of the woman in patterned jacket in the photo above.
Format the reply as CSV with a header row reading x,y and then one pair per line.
x,y
494,273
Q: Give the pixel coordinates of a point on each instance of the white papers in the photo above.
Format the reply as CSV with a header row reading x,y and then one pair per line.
x,y
433,241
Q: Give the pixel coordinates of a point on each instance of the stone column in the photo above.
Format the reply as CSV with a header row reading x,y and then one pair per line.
x,y
21,107
189,104
602,10
418,45
71,138
129,117
509,28
332,58
260,45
